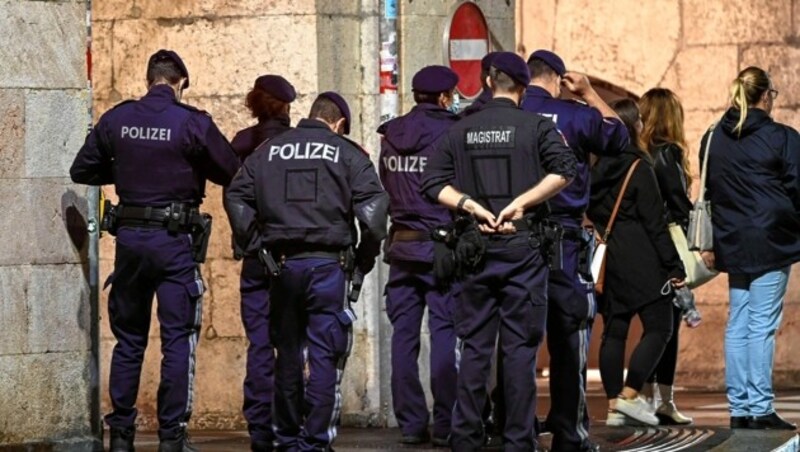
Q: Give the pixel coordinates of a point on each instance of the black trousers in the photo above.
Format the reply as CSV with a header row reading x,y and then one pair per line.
x,y
665,370
656,319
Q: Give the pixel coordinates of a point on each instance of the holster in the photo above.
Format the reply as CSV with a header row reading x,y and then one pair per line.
x,y
553,244
444,242
109,221
586,252
201,235
272,268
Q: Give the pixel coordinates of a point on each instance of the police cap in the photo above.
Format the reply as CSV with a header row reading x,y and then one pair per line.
x,y
163,55
342,104
276,86
512,65
434,79
486,61
550,59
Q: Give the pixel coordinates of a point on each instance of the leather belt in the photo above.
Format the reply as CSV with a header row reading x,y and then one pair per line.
x,y
411,236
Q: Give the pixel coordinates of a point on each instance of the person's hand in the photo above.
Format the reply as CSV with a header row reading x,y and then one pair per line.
x,y
678,282
577,83
708,258
486,219
511,212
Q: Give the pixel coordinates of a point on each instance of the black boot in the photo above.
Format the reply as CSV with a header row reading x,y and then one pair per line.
x,y
122,439
178,443
772,422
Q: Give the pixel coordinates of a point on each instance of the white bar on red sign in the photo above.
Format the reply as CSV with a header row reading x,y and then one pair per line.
x,y
468,49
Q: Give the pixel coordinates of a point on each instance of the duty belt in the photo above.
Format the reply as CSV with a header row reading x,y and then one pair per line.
x,y
411,236
289,253
574,234
176,216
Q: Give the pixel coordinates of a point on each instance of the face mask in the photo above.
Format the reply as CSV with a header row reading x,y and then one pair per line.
x,y
455,106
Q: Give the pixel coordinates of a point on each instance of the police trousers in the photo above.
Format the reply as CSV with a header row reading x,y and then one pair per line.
x,y
410,289
154,262
258,380
309,313
507,297
570,314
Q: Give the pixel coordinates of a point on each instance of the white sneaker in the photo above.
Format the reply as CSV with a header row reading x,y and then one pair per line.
x,y
615,419
637,409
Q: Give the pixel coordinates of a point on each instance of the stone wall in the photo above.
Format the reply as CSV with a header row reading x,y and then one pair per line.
x,y
695,48
317,45
48,378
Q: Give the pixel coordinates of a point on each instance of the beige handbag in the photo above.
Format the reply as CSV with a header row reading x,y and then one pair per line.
x,y
697,273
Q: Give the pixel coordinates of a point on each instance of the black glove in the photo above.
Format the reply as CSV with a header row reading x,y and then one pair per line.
x,y
469,252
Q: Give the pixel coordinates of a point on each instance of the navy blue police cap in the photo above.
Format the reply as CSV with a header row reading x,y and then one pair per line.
x,y
550,59
486,61
342,104
512,65
164,54
434,79
277,86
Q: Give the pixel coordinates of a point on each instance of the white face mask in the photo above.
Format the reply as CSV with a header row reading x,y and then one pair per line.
x,y
455,106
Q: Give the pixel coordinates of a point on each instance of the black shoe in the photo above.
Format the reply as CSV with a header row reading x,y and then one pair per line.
x,y
589,446
770,421
122,439
740,421
418,438
440,442
261,446
180,443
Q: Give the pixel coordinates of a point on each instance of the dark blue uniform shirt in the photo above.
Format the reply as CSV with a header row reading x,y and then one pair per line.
x,y
155,151
586,131
497,154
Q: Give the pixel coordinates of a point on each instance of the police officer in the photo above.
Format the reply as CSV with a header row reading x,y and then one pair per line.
x,y
269,101
304,190
590,126
486,93
158,153
407,145
499,165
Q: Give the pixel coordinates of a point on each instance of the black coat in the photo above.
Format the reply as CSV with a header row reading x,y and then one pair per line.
x,y
754,188
640,257
672,180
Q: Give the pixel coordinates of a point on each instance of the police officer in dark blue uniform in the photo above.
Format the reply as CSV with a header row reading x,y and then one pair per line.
x,y
593,127
486,93
500,165
158,153
304,191
408,143
269,101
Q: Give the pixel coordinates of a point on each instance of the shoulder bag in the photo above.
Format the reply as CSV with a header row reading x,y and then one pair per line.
x,y
599,257
700,233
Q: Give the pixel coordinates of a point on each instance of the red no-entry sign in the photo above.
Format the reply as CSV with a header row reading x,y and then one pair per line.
x,y
467,41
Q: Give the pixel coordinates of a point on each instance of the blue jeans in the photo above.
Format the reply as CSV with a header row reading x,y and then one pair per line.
x,y
756,309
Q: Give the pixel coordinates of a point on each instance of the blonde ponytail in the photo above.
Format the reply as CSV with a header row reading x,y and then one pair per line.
x,y
739,100
746,90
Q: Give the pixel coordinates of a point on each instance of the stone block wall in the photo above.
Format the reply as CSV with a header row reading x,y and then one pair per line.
x,y
695,48
318,45
48,378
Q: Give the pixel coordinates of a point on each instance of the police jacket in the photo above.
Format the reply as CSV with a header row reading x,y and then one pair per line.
x,y
407,145
155,151
247,140
497,154
672,182
640,257
478,103
586,131
753,184
304,188
244,144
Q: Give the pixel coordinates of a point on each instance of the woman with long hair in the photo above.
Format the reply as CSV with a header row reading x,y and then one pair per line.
x,y
269,101
663,138
753,184
642,266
